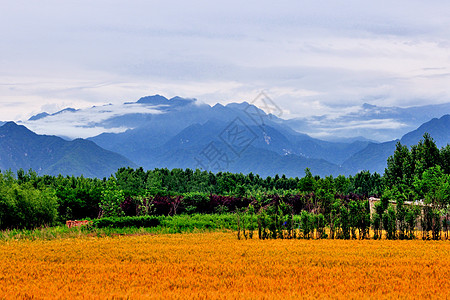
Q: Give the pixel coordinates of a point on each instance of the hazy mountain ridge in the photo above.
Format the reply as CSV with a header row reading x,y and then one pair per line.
x,y
22,148
273,136
439,129
374,156
175,133
188,150
370,121
195,126
45,114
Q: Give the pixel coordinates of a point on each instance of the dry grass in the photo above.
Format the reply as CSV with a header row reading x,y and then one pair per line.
x,y
217,265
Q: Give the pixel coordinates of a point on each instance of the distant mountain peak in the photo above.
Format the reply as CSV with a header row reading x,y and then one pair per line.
x,y
22,148
161,100
68,109
12,127
218,105
10,124
155,100
39,116
179,101
45,114
242,105
249,107
178,98
436,127
368,106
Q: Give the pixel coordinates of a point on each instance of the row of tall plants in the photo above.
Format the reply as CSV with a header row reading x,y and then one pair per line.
x,y
345,221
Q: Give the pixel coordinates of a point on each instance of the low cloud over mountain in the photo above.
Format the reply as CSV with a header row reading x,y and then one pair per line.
x,y
156,132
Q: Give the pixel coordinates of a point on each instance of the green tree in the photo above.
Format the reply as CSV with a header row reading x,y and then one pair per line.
x,y
112,197
434,187
398,166
307,183
445,159
390,222
23,206
425,155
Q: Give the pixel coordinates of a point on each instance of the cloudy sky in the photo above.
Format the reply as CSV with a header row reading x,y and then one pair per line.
x,y
311,57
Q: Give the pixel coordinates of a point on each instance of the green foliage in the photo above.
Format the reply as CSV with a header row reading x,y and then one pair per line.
x,y
389,219
354,217
78,197
245,222
344,223
307,183
334,220
278,207
377,220
434,186
412,214
406,166
195,202
197,222
401,217
122,222
431,223
23,206
275,221
111,199
342,184
365,183
319,225
425,155
168,224
306,225
131,182
399,166
445,159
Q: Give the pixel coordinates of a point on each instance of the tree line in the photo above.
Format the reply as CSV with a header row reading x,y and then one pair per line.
x,y
309,203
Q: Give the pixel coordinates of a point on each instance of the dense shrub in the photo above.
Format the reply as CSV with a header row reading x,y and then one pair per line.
x,y
122,222
26,207
196,202
165,205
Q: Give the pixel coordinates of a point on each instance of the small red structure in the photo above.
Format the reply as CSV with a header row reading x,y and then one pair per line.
x,y
76,223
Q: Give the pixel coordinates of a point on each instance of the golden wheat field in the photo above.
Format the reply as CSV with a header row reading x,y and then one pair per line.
x,y
217,265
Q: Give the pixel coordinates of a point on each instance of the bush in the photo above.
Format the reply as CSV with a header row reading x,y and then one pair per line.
x,y
196,203
202,222
122,222
24,207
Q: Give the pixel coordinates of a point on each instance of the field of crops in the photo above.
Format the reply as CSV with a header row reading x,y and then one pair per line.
x,y
217,265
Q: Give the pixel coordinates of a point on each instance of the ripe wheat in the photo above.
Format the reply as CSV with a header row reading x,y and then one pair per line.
x,y
217,265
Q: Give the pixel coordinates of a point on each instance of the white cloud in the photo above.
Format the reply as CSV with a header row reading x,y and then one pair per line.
x,y
312,57
84,123
367,124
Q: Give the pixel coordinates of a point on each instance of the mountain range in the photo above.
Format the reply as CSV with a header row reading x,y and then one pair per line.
x,y
21,148
377,123
375,155
158,132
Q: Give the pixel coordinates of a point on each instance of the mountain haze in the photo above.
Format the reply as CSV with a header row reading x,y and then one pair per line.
x,y
439,129
157,132
178,136
369,121
374,156
22,148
